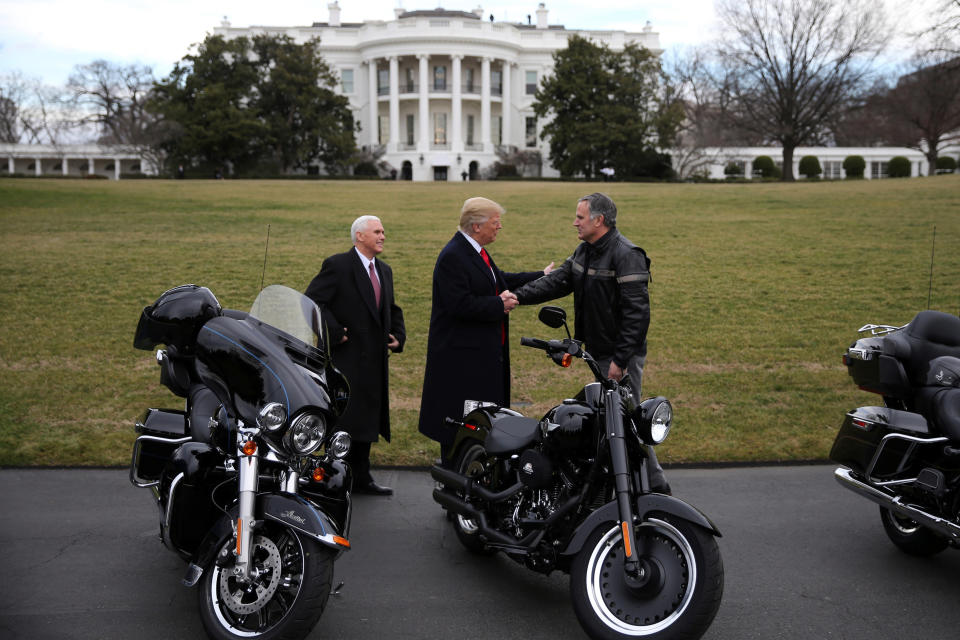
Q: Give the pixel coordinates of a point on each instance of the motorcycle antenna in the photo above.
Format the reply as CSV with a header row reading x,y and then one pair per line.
x,y
265,247
933,247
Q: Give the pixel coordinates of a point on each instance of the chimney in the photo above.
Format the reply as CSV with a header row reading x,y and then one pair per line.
x,y
478,12
334,20
542,16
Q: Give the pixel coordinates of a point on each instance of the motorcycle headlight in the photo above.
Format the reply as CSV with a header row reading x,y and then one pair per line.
x,y
339,445
272,416
653,419
306,434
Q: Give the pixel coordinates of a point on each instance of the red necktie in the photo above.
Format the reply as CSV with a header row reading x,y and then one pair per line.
x,y
486,258
376,284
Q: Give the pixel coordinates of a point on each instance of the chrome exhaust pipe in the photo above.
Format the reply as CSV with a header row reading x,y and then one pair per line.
x,y
893,503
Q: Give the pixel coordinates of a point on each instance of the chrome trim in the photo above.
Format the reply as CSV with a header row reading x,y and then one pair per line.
x,y
165,525
136,480
879,329
289,481
897,436
894,503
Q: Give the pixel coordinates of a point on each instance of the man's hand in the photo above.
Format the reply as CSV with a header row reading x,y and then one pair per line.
x,y
393,343
547,269
509,301
615,372
344,338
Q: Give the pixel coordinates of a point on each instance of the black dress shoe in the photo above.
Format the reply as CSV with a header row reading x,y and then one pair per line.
x,y
373,489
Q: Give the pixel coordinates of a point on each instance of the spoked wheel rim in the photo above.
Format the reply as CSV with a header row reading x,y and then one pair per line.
x,y
249,610
667,554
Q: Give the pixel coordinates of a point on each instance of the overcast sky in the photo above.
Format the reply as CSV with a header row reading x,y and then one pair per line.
x,y
46,38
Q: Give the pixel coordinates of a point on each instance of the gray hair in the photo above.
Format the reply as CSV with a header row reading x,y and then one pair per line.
x,y
477,211
600,204
360,224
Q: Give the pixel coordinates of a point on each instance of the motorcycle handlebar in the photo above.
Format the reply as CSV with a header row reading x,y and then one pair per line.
x,y
536,343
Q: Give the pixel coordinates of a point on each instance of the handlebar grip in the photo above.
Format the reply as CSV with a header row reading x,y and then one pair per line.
x,y
452,422
533,342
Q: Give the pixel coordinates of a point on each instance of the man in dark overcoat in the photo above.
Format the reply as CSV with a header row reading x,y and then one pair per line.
x,y
468,347
355,291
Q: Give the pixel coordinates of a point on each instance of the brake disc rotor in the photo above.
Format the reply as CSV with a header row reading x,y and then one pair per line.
x,y
243,598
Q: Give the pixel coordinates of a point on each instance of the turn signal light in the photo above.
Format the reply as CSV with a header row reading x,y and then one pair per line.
x,y
566,360
626,539
318,474
343,542
249,448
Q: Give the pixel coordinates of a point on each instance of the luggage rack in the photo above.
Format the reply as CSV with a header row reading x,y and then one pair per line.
x,y
914,443
877,329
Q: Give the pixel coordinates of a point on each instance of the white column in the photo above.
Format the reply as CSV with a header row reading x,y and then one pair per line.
x,y
424,117
90,167
38,167
11,164
373,119
457,107
394,102
116,168
63,167
506,107
485,105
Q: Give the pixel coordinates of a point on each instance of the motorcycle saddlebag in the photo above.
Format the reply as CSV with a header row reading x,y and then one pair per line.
x,y
162,431
862,432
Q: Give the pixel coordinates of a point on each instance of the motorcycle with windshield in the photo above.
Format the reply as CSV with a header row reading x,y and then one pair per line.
x,y
572,491
249,478
905,455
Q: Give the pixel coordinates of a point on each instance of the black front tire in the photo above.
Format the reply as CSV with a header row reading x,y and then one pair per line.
x,y
680,604
910,537
286,599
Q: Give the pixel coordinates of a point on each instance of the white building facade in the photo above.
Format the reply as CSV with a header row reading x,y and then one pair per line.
x,y
438,91
72,160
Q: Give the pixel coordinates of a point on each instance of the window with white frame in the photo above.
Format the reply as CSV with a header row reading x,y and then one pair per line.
x,y
440,78
384,126
832,169
470,128
440,128
383,81
530,87
497,129
878,169
410,131
531,132
346,80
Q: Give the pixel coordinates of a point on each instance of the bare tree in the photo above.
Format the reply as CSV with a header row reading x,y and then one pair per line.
x,y
703,89
942,34
924,107
32,112
114,99
795,63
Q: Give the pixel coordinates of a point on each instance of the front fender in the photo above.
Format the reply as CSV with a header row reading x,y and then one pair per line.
x,y
287,509
646,505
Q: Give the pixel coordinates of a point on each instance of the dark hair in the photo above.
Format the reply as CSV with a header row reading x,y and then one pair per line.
x,y
600,204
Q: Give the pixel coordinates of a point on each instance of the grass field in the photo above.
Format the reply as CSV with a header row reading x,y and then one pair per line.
x,y
757,290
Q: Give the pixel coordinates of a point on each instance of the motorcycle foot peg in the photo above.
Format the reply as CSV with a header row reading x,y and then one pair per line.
x,y
193,575
336,590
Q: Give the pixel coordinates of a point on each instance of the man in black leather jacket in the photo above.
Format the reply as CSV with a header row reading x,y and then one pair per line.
x,y
608,277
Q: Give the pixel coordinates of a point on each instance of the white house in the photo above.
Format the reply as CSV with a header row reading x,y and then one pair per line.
x,y
77,160
440,90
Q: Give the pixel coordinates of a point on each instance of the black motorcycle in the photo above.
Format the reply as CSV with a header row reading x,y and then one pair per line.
x,y
905,455
573,492
243,492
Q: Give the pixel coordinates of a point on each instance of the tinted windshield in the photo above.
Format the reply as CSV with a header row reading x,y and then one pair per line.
x,y
290,311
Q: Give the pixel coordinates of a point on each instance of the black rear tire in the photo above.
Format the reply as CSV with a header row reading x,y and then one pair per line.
x,y
470,462
287,597
681,604
910,537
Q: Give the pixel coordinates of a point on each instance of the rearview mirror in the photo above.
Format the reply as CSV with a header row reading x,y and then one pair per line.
x,y
553,317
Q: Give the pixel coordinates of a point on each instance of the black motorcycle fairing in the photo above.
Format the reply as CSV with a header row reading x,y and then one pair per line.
x,y
175,318
646,507
246,370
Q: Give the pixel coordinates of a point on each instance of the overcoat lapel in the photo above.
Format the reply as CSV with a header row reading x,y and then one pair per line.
x,y
477,262
365,287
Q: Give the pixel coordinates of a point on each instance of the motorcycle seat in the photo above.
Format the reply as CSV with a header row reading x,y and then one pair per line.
x,y
931,334
511,433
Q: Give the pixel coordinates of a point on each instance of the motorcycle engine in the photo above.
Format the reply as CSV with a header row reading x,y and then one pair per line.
x,y
536,470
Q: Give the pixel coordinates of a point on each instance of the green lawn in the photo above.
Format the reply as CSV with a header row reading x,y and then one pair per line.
x,y
757,290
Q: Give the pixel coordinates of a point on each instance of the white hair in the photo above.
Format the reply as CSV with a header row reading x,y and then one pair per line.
x,y
360,224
